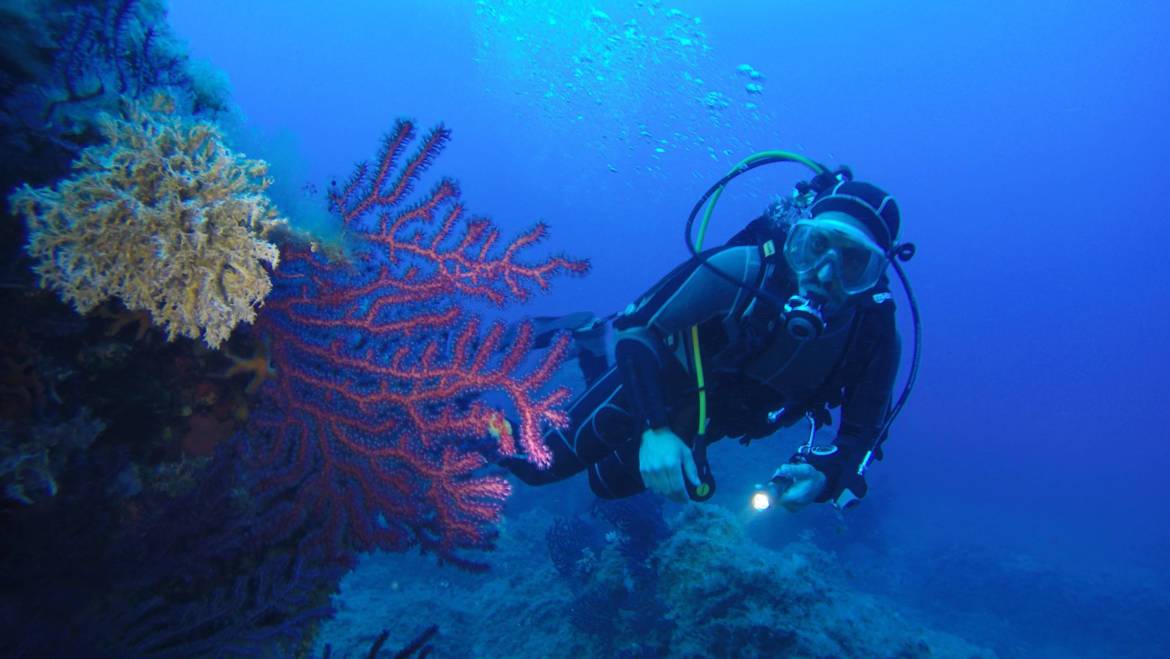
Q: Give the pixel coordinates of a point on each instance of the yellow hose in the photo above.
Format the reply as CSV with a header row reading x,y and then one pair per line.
x,y
755,157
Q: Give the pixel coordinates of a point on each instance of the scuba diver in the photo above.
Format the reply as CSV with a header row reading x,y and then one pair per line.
x,y
791,317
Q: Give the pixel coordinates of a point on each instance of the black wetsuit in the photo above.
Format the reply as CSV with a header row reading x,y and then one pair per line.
x,y
751,367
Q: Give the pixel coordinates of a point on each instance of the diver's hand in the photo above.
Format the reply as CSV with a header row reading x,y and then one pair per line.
x,y
807,484
662,459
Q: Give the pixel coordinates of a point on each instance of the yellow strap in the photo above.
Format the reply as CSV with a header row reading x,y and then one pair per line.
x,y
699,378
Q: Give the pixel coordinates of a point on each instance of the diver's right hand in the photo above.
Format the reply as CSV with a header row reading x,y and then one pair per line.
x,y
663,458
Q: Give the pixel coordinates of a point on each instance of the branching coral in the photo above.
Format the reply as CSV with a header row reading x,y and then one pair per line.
x,y
388,394
161,215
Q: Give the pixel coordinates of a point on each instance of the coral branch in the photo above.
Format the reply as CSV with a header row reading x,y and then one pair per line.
x,y
389,392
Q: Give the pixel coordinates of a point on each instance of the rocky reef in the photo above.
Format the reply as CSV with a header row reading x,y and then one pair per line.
x,y
714,591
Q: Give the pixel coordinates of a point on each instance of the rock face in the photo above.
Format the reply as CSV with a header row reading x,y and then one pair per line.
x,y
706,590
731,597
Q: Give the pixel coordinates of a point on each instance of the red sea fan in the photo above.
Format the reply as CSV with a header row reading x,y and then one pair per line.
x,y
389,392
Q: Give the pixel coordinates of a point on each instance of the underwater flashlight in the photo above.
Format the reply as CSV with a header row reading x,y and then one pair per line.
x,y
761,500
765,494
776,487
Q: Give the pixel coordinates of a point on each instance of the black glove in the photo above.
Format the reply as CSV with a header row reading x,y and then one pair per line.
x,y
844,487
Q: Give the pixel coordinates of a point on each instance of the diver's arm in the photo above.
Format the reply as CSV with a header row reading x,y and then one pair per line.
x,y
867,402
648,336
703,294
688,296
641,360
863,417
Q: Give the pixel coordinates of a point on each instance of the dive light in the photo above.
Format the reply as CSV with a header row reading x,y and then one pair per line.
x,y
766,494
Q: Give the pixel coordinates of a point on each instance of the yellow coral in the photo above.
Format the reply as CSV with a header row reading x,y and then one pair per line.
x,y
161,215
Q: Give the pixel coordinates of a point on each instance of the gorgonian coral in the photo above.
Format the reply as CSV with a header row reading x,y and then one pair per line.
x,y
161,215
387,392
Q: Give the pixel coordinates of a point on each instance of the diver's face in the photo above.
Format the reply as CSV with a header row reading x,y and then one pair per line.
x,y
817,250
822,286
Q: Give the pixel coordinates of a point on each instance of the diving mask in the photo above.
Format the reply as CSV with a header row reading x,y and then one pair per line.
x,y
857,260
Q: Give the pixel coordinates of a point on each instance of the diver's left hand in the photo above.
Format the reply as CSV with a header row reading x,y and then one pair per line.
x,y
807,484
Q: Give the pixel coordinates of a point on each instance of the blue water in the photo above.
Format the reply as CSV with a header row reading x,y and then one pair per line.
x,y
1024,142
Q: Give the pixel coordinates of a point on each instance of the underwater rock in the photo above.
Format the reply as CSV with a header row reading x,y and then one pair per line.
x,y
32,457
730,596
715,593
